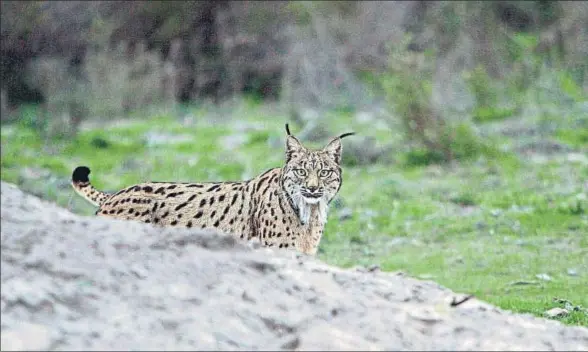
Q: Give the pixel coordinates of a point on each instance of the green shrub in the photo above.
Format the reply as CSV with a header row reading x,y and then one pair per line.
x,y
431,136
485,91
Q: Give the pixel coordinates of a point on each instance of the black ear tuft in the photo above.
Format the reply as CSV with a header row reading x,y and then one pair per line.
x,y
288,130
346,134
80,174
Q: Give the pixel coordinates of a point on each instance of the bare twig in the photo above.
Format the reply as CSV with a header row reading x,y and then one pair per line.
x,y
455,302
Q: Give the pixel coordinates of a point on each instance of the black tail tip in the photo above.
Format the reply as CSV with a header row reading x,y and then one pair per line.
x,y
80,174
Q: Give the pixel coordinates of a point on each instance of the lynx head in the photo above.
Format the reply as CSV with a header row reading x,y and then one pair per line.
x,y
312,177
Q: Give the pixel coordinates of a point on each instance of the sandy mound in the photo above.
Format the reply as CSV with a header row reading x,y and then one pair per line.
x,y
81,283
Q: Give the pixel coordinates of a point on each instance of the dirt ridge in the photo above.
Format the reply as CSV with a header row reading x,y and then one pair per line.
x,y
72,282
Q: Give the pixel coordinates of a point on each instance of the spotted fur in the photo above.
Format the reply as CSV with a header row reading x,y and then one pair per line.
x,y
284,207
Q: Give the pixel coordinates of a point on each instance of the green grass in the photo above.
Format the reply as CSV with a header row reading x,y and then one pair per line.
x,y
575,137
482,226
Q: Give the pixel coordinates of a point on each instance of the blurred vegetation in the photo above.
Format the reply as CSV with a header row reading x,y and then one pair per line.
x,y
469,165
465,62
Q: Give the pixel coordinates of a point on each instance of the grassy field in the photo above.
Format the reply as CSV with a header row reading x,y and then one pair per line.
x,y
511,229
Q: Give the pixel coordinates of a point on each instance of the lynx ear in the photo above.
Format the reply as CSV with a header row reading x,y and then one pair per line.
x,y
333,149
293,145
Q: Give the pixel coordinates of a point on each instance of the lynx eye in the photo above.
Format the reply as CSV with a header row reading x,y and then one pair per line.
x,y
325,173
300,172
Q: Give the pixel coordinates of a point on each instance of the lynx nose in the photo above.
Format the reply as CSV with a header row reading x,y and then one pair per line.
x,y
312,189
